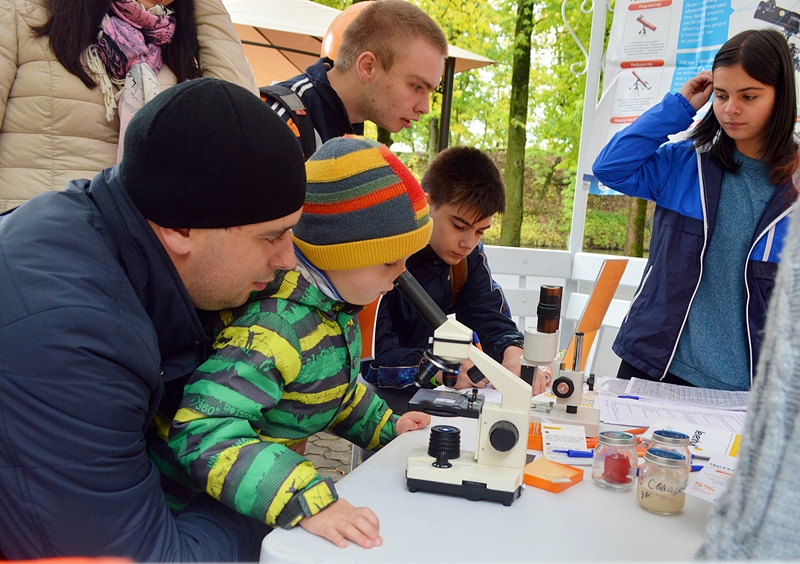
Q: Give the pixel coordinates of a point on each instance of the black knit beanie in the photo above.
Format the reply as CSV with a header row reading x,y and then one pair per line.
x,y
208,154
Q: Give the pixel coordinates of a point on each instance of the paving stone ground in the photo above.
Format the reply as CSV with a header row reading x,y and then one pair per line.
x,y
330,455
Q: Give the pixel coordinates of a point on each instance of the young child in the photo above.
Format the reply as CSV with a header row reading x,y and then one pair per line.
x,y
723,200
464,190
285,364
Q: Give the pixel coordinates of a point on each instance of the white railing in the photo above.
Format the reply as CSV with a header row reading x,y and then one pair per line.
x,y
521,272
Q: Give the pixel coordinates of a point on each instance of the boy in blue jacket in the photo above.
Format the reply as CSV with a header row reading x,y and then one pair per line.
x,y
464,190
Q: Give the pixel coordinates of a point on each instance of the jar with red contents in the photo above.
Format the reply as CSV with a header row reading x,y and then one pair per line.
x,y
615,460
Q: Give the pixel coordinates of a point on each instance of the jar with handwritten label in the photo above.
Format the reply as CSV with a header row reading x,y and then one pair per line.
x,y
662,481
615,460
674,441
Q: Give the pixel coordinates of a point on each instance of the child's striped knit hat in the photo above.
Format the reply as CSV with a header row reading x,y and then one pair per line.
x,y
363,207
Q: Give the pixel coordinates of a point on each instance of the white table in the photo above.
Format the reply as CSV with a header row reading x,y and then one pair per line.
x,y
582,523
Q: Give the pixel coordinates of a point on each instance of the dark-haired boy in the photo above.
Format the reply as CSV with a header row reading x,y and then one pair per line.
x,y
464,191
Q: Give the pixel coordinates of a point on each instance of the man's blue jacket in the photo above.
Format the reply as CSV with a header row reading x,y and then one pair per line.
x,y
685,183
93,317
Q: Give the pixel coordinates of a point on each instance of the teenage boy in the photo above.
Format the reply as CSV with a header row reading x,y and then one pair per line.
x,y
100,287
285,364
390,59
464,190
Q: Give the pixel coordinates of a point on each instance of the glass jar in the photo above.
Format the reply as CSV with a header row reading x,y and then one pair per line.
x,y
615,460
662,481
674,441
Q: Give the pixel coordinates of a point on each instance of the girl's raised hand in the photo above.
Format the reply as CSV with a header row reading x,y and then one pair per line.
x,y
697,90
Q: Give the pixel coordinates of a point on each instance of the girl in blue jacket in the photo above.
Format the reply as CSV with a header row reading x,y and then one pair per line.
x,y
723,199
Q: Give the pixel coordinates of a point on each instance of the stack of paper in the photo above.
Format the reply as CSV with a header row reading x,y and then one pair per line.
x,y
640,403
647,390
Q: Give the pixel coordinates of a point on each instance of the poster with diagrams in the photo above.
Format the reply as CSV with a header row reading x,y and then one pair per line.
x,y
655,47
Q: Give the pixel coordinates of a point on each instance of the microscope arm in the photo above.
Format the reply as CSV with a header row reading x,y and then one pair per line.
x,y
452,340
515,391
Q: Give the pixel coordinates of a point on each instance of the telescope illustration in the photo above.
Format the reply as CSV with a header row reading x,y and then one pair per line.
x,y
645,25
635,88
787,20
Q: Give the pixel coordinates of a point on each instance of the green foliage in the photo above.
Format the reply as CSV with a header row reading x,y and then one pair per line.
x,y
338,4
605,230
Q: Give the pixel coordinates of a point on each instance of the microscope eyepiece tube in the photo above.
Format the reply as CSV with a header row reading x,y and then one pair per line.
x,y
419,299
548,312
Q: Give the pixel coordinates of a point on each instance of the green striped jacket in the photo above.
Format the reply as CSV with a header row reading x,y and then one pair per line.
x,y
284,367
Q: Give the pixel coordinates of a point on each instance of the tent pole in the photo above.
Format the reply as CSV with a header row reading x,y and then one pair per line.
x,y
447,103
589,106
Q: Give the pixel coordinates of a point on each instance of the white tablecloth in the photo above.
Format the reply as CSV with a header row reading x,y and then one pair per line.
x,y
582,523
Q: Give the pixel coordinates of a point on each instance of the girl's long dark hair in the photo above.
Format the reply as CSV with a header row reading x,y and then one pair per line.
x,y
182,54
73,25
765,56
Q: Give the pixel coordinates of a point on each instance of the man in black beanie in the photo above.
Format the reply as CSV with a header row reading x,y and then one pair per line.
x,y
100,287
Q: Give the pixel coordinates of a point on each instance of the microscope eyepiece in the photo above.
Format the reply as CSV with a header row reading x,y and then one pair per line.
x,y
548,311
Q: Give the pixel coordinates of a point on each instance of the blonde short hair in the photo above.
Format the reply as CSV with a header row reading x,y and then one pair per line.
x,y
382,28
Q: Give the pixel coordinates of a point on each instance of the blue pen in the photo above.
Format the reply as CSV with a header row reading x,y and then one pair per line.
x,y
628,397
476,341
575,453
696,468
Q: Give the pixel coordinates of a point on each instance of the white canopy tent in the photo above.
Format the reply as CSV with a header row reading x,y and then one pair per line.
x,y
283,37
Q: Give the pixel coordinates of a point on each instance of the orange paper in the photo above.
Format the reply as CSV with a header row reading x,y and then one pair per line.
x,y
551,476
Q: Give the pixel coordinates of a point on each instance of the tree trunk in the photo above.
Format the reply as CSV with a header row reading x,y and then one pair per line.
x,y
545,185
637,214
433,139
518,116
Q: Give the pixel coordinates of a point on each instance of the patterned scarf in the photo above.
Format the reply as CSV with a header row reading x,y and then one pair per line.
x,y
128,55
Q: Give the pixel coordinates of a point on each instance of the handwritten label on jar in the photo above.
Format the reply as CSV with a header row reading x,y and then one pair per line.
x,y
660,497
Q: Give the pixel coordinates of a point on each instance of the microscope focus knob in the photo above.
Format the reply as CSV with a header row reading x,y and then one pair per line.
x,y
503,435
563,387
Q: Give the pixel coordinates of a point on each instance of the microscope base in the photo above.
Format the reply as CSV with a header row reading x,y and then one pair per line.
x,y
471,492
465,478
587,417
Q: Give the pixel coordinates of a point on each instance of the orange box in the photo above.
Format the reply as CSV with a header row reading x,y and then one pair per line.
x,y
551,476
535,442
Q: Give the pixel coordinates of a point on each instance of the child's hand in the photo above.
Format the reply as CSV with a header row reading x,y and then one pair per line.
x,y
411,421
512,357
542,380
340,522
697,90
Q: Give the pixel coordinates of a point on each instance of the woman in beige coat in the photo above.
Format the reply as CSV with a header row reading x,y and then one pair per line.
x,y
53,127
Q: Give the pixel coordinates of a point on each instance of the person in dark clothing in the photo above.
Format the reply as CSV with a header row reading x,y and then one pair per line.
x,y
390,59
464,190
102,292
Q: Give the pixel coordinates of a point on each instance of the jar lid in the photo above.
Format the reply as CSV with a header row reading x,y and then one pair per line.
x,y
672,438
616,438
665,457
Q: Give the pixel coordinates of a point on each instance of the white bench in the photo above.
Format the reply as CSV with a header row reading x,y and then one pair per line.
x,y
520,272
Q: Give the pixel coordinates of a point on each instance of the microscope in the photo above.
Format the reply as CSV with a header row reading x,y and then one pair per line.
x,y
787,20
541,350
495,470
